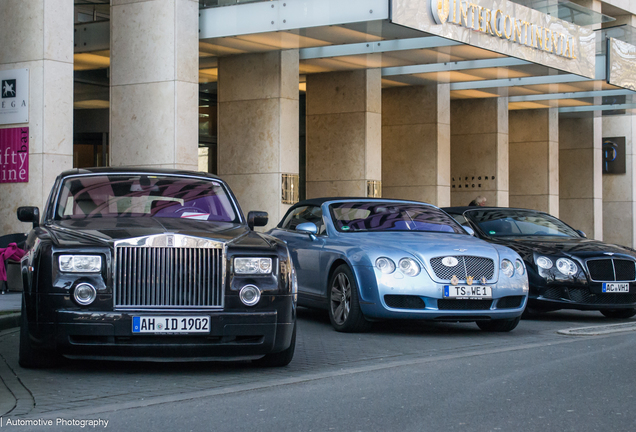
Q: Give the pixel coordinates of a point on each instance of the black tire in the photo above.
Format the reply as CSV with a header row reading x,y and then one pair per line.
x,y
344,304
501,325
282,358
619,313
30,357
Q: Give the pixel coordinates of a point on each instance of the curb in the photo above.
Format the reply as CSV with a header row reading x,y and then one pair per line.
x,y
10,321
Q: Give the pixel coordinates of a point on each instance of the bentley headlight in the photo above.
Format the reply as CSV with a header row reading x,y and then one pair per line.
x,y
544,262
566,266
385,265
252,265
80,263
519,267
507,268
409,267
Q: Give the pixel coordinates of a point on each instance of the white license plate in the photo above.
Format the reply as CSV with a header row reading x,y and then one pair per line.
x,y
467,292
171,324
615,287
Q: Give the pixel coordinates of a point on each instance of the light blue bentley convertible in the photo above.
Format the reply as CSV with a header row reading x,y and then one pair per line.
x,y
370,259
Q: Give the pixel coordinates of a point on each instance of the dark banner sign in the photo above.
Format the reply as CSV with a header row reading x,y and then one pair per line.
x,y
614,155
14,155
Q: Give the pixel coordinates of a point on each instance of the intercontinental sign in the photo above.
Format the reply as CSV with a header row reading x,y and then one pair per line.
x,y
503,27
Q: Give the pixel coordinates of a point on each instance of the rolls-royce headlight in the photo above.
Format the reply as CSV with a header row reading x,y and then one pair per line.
x,y
252,265
385,265
544,262
409,267
566,266
85,294
507,268
80,263
519,267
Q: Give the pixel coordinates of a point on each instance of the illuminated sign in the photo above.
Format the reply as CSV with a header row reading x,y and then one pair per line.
x,y
497,23
503,27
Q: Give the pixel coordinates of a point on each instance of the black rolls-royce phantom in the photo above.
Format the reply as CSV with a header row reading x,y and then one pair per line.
x,y
134,264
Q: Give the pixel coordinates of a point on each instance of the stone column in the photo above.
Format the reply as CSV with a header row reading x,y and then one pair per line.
x,y
580,174
344,127
258,128
154,95
479,151
534,159
619,190
416,143
38,35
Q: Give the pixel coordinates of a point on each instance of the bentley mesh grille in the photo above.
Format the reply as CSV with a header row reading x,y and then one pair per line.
x,y
584,296
404,302
476,267
449,304
168,277
610,270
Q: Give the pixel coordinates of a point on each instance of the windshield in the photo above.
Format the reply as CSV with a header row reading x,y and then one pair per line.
x,y
506,223
389,216
158,196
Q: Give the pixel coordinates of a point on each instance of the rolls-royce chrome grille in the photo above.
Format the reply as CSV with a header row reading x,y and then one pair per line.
x,y
477,267
168,277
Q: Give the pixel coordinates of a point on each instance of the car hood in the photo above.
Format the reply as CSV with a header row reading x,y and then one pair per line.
x,y
573,247
105,231
424,245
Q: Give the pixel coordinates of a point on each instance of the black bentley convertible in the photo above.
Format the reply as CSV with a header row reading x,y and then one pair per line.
x,y
566,270
136,264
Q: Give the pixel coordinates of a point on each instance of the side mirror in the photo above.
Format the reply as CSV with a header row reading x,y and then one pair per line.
x,y
29,214
257,218
308,228
581,233
469,230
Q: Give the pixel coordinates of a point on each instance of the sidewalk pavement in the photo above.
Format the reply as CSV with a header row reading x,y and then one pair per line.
x,y
10,302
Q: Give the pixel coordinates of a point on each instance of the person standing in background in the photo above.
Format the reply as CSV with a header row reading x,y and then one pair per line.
x,y
480,201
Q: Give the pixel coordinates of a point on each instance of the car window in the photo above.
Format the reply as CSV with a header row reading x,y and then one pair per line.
x,y
125,195
304,214
501,223
460,219
391,216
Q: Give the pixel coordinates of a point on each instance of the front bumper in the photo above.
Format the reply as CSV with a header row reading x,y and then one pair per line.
x,y
391,297
243,335
580,297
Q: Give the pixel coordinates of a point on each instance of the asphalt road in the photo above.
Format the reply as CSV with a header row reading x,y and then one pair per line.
x,y
399,377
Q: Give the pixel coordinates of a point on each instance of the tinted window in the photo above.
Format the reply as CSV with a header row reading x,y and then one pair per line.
x,y
304,214
388,216
501,223
144,196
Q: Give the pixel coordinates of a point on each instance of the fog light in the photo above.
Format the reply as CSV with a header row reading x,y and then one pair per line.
x,y
250,295
85,294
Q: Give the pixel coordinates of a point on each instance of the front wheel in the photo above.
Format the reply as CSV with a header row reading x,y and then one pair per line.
x,y
28,356
500,325
344,304
619,313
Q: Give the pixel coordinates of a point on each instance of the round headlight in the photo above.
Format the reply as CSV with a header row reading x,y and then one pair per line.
x,y
385,265
544,262
507,268
250,295
409,267
566,266
84,294
519,267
